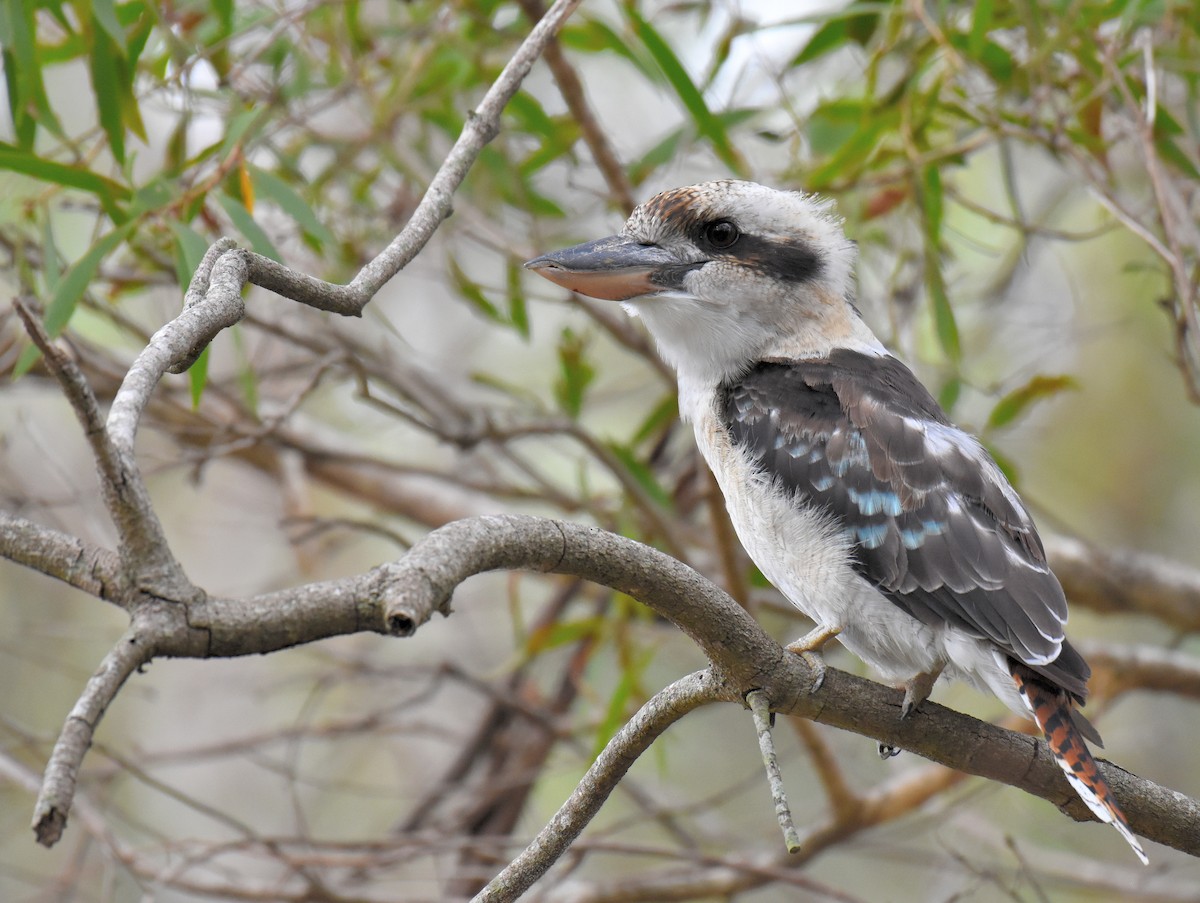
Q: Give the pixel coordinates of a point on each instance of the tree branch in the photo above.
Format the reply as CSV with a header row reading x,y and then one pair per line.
x,y
483,124
660,712
745,658
62,771
94,570
1126,582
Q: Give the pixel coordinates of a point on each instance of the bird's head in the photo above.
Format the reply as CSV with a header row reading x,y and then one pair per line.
x,y
724,274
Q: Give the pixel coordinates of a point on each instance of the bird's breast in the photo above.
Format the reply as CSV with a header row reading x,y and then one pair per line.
x,y
798,547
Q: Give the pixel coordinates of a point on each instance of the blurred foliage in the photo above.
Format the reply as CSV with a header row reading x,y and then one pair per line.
x,y
139,132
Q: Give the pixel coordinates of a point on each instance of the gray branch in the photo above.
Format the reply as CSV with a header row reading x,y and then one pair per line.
x,y
1127,582
436,204
619,754
744,658
94,570
62,771
169,614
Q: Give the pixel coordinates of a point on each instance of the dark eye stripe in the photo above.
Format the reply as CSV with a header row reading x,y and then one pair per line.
x,y
785,259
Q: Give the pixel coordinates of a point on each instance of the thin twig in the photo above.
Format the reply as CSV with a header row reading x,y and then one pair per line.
x,y
760,708
482,126
62,771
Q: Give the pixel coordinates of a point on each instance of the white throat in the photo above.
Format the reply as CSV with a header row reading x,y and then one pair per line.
x,y
707,343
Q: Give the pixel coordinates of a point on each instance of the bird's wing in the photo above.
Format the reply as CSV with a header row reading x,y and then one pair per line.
x,y
935,524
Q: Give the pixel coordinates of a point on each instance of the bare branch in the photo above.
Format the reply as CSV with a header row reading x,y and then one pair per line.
x,y
1120,669
482,126
571,89
145,557
1127,582
59,555
664,709
745,658
760,707
62,771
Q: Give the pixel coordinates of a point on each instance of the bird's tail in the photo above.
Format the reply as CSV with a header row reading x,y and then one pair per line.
x,y
1052,710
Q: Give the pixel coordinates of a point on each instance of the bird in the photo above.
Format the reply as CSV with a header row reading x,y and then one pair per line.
x,y
888,526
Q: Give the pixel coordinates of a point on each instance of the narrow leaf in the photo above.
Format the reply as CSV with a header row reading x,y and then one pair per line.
x,y
190,248
560,633
944,321
641,474
471,291
106,85
198,376
16,159
518,310
76,280
575,372
1018,401
105,15
707,124
245,224
273,188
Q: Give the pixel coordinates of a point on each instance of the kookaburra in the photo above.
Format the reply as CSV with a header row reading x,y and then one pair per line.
x,y
857,498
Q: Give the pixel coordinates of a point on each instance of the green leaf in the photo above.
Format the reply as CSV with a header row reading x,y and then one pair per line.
x,y
848,26
190,248
1018,401
641,474
239,124
16,159
198,376
575,373
665,413
270,186
247,380
108,86
948,396
944,321
51,262
707,124
981,24
518,310
105,15
660,155
618,703
245,224
30,355
27,98
224,11
471,291
76,280
594,36
560,633
931,199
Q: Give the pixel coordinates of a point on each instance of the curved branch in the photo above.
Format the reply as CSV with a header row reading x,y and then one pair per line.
x,y
745,658
660,712
482,126
62,771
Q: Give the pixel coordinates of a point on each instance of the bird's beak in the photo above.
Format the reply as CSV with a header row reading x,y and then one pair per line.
x,y
614,268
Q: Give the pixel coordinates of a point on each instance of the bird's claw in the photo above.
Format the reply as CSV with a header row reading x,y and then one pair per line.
x,y
887,751
807,647
815,662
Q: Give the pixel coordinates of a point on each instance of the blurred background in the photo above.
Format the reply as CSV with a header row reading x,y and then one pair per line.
x,y
1022,182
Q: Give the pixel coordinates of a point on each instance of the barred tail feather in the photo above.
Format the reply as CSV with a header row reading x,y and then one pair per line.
x,y
1052,710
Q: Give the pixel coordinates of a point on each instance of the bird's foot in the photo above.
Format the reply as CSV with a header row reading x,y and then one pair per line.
x,y
916,691
808,648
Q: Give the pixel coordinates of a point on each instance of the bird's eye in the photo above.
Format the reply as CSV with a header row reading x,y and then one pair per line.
x,y
721,234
